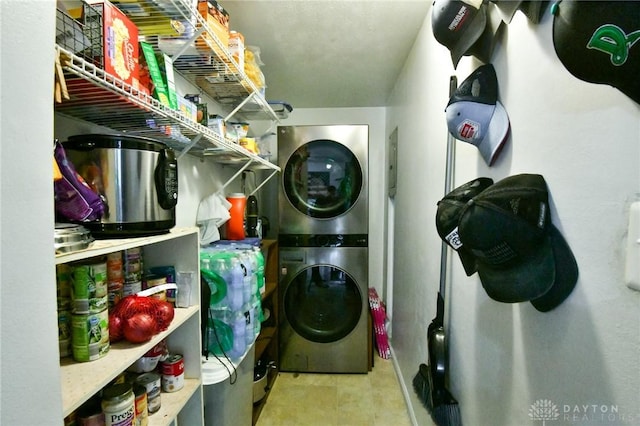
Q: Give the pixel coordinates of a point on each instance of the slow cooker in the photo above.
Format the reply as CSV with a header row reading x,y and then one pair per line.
x,y
137,178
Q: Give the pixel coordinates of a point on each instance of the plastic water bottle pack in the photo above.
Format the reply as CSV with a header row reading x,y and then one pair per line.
x,y
235,309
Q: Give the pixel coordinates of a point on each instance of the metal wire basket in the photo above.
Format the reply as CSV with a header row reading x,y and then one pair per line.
x,y
82,36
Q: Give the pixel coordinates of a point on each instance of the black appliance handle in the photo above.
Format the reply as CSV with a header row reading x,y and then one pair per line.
x,y
166,179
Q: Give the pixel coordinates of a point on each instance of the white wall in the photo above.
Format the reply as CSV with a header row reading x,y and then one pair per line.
x,y
585,140
29,362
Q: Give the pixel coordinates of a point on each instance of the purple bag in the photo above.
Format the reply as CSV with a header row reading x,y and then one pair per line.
x,y
74,199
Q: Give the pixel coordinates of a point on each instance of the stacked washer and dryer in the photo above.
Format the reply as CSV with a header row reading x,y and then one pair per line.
x,y
323,211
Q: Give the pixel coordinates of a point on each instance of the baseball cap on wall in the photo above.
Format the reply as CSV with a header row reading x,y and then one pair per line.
x,y
598,42
448,215
458,24
474,114
483,47
520,254
507,8
533,9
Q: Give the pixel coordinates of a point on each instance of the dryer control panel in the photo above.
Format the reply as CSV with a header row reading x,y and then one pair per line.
x,y
323,240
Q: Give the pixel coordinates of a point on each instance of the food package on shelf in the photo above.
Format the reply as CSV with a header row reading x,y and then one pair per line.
x,y
252,69
249,144
188,108
237,131
118,45
157,79
217,21
236,48
157,18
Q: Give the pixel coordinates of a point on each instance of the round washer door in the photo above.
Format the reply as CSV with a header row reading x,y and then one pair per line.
x,y
323,303
322,179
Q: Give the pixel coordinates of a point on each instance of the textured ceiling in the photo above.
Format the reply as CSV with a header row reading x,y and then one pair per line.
x,y
329,53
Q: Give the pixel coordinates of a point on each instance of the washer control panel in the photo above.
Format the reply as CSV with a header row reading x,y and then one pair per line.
x,y
323,240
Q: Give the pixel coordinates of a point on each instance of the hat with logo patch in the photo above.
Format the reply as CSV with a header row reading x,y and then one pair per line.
x,y
599,42
448,215
474,114
458,24
521,256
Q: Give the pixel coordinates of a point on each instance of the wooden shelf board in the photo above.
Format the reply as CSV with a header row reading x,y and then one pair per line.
x,y
81,380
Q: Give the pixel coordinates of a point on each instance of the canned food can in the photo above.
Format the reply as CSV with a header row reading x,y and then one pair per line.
x,y
173,373
129,288
151,382
63,280
89,336
64,332
118,405
169,272
64,304
89,288
156,280
114,267
132,264
115,292
142,412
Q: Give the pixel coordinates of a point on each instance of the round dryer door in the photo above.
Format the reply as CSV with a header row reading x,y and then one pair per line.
x,y
323,303
322,179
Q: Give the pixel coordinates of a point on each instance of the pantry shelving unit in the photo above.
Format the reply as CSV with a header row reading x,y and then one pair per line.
x,y
81,380
100,98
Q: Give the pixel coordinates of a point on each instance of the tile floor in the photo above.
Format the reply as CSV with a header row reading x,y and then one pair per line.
x,y
301,399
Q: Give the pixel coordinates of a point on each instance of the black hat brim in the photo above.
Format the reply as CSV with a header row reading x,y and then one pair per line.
x,y
566,274
530,278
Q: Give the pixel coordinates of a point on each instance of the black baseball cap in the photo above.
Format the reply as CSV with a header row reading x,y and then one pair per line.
x,y
597,42
484,46
520,255
458,24
448,215
533,9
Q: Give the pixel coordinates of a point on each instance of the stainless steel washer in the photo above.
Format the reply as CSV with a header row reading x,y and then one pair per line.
x,y
323,303
324,186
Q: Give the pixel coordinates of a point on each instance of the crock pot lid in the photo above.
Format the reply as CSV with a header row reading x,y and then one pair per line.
x,y
115,141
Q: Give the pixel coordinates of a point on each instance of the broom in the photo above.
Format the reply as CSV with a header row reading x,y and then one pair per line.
x,y
429,383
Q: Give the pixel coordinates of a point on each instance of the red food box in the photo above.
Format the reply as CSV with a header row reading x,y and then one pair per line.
x,y
120,41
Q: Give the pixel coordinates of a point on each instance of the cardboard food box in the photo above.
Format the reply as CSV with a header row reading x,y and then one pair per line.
x,y
217,21
236,48
160,90
120,40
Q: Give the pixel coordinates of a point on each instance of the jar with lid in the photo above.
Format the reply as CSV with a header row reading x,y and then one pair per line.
x,y
118,405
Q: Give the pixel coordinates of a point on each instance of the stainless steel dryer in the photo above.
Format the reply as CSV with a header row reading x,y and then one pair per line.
x,y
323,303
324,187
